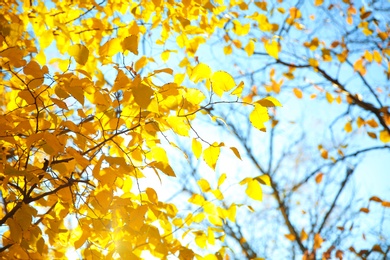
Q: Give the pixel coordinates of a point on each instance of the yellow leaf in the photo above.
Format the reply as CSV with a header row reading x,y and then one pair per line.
x,y
384,136
231,212
179,125
259,116
304,235
329,97
194,96
222,82
368,56
359,66
254,190
348,127
238,90
211,154
377,57
221,179
80,53
85,235
165,55
217,194
200,72
269,102
360,122
317,241
324,153
290,237
240,29
272,48
318,2
110,48
228,49
197,199
264,179
204,185
201,240
196,148
210,257
250,48
298,92
140,63
130,43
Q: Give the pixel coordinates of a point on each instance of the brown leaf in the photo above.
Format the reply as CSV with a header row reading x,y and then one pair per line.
x,y
376,199
318,177
386,204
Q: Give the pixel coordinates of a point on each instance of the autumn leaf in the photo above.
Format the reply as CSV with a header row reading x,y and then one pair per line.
x,y
130,43
250,48
297,93
200,72
222,82
272,48
269,102
211,155
259,116
80,53
254,190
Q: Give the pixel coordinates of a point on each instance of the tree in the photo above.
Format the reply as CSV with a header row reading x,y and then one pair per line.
x,y
333,57
100,100
88,110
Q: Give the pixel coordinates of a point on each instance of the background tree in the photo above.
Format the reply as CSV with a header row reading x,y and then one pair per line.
x,y
327,62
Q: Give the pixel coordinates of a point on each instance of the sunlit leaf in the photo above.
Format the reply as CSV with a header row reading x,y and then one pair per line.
x,y
222,82
200,72
272,48
204,185
211,155
80,53
130,43
264,179
298,93
197,199
258,117
196,148
238,90
254,190
384,136
221,179
348,127
290,237
318,241
269,102
304,235
250,48
152,195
